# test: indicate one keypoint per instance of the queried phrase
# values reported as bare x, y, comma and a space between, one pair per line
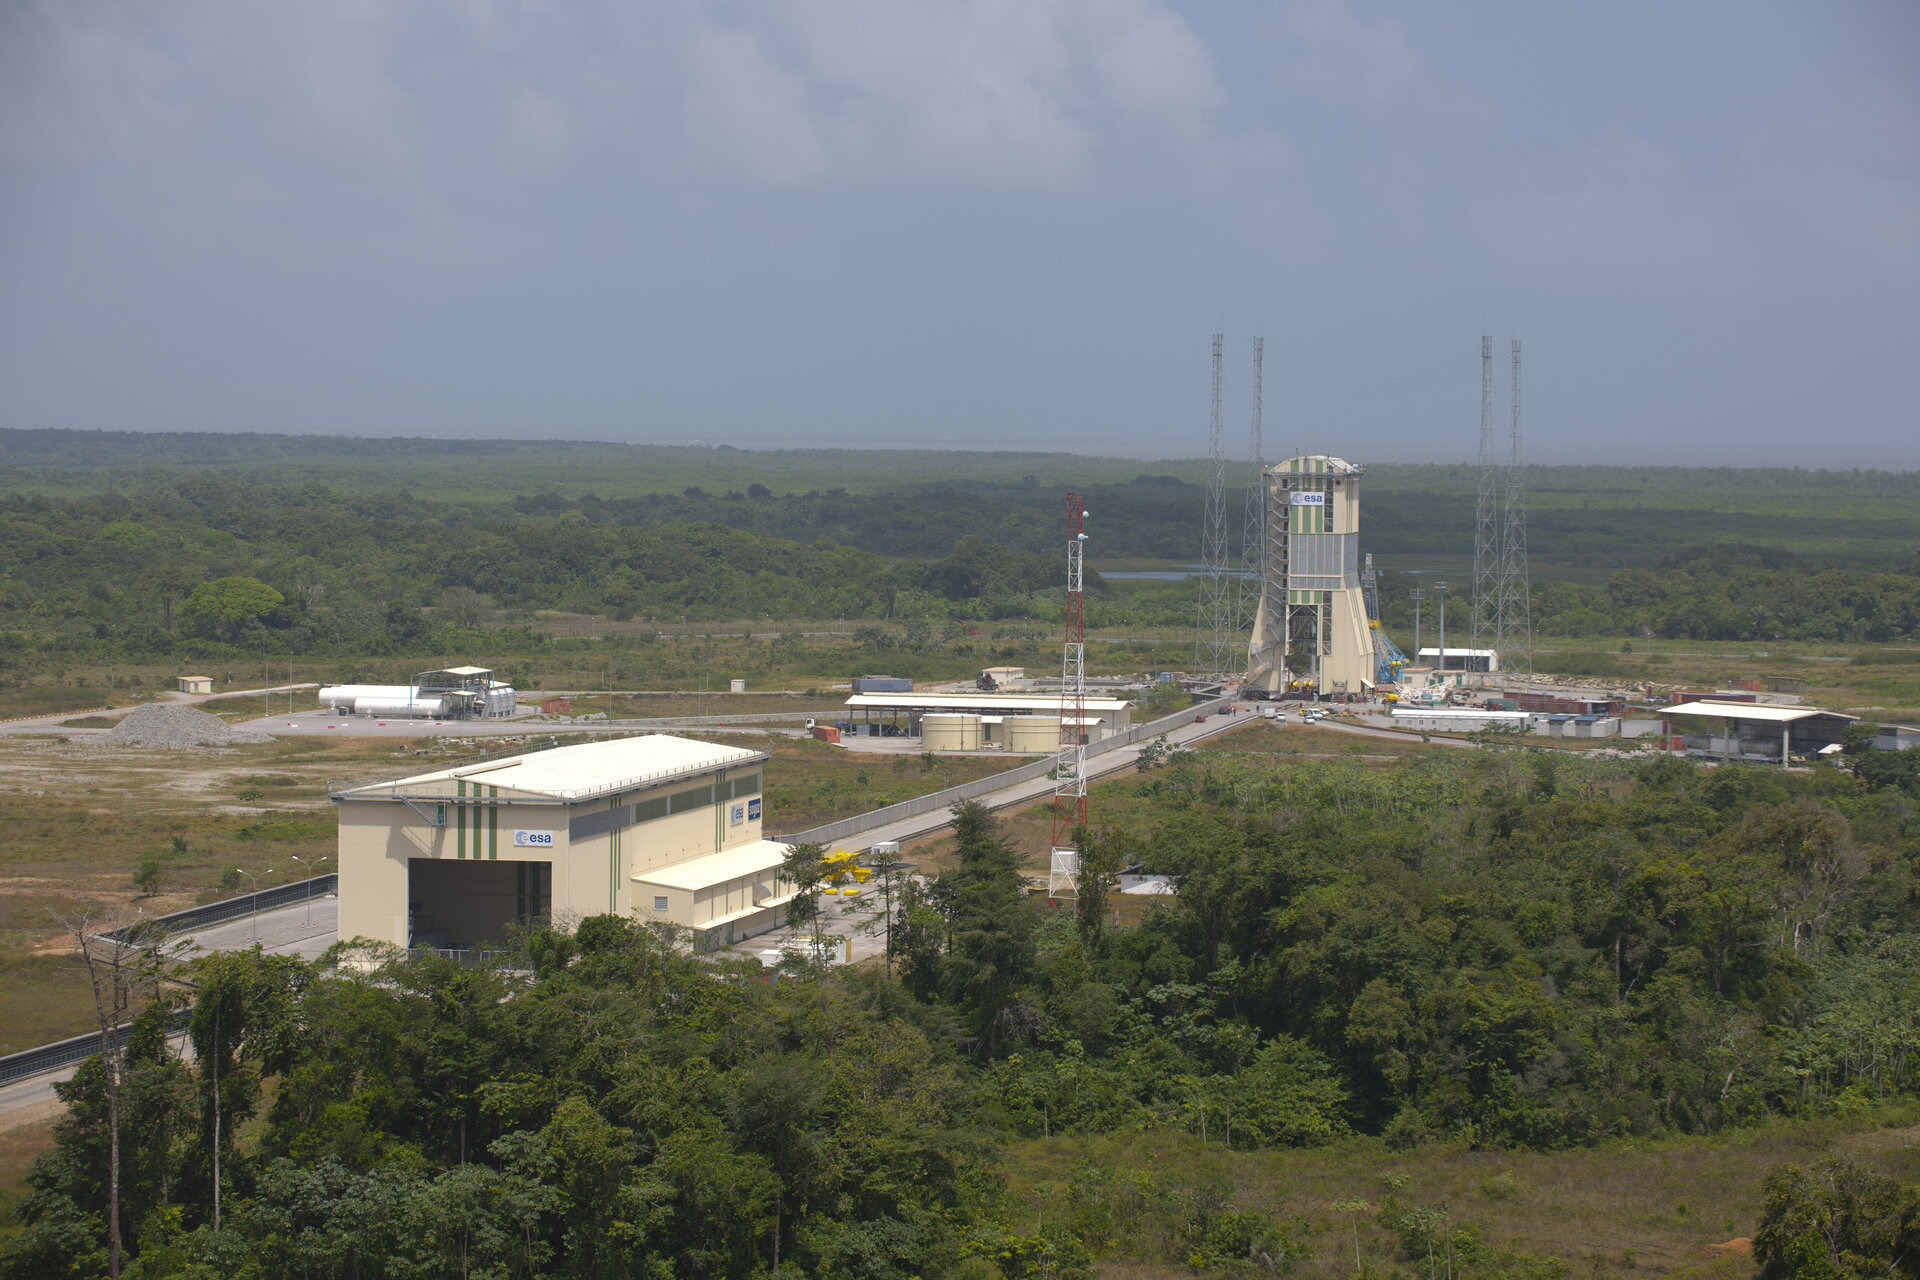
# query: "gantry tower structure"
1311, 634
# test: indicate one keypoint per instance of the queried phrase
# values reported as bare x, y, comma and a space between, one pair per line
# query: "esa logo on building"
540, 839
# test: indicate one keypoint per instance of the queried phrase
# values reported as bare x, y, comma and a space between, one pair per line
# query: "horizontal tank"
346, 695
427, 708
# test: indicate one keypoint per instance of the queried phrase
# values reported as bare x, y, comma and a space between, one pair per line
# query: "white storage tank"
422, 708
950, 732
1032, 735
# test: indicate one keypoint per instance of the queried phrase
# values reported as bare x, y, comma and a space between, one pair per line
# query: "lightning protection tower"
1488, 564
1070, 767
1312, 633
1211, 644
1515, 640
1253, 551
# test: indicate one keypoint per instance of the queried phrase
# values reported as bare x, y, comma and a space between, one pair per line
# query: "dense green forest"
160, 570
1496, 949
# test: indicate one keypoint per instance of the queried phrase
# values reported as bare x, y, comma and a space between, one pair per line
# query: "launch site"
946, 642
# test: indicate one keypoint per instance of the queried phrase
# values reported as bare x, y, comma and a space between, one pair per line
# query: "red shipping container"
826, 733
555, 706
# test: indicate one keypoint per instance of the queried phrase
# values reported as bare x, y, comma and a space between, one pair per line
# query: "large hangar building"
654, 827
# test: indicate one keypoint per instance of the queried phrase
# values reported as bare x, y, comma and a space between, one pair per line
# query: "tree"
222, 608
990, 923
888, 873
147, 878
1836, 1221
801, 869
1102, 854
120, 962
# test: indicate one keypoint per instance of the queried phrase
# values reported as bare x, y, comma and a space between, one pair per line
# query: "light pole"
1440, 589
311, 870
253, 913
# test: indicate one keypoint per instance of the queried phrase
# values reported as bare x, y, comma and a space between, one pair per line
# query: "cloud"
1005, 94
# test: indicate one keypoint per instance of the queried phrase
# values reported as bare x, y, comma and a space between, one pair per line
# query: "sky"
996, 224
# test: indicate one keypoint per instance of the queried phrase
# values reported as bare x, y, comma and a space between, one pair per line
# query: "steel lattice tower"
1253, 554
1215, 623
1070, 768
1488, 564
1515, 641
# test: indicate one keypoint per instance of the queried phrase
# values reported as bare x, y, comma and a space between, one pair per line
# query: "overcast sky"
991, 223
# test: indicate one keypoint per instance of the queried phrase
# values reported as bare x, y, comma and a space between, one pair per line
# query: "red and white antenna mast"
1070, 769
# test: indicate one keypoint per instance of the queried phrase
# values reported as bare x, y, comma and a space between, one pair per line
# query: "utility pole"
1416, 595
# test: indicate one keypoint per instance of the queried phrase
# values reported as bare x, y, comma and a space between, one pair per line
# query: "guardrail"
246, 904
946, 799
64, 1053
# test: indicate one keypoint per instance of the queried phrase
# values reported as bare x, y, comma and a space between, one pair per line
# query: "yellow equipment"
841, 872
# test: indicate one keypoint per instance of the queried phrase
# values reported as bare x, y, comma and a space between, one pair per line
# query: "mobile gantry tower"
1310, 634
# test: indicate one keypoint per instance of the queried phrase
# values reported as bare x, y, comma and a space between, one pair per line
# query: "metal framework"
1515, 639
1211, 645
1070, 768
1488, 564
1388, 660
1254, 549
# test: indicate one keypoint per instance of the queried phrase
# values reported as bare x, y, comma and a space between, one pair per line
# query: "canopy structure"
1757, 731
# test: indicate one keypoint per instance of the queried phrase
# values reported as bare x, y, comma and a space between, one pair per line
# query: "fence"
946, 799
64, 1053
246, 904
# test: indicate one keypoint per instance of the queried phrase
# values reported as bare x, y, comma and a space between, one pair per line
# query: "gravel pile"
160, 724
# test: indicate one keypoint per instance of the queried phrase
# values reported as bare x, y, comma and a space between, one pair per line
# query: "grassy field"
1650, 1208
83, 817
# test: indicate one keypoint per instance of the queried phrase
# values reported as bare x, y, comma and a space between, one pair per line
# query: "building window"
659, 904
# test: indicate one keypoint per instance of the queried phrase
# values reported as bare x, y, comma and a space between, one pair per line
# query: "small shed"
194, 684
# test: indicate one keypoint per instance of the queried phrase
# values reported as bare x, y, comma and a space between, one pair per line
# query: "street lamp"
312, 873
253, 913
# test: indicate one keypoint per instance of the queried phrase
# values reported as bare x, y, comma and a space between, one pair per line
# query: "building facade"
654, 828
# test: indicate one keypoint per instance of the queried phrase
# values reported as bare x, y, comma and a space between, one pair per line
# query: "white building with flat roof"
902, 713
654, 827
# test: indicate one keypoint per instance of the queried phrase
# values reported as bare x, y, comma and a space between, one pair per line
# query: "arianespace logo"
541, 839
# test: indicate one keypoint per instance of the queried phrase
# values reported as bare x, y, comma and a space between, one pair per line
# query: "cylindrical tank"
950, 732
1034, 735
347, 696
428, 708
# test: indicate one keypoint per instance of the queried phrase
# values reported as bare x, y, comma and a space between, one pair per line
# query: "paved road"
40, 724
1098, 767
303, 929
